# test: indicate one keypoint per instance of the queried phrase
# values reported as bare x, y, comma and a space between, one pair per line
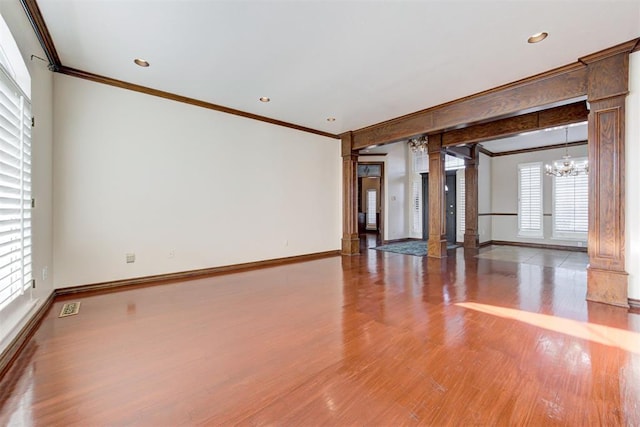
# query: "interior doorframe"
381, 195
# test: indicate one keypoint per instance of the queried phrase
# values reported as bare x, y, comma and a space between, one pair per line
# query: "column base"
437, 247
608, 287
471, 241
350, 246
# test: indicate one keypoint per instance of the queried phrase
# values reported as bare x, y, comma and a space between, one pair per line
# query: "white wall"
633, 177
41, 97
504, 197
484, 198
144, 175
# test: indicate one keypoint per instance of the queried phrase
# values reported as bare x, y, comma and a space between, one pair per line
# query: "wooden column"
471, 236
437, 244
608, 74
350, 240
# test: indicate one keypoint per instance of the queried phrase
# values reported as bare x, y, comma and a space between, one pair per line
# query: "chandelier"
566, 167
419, 145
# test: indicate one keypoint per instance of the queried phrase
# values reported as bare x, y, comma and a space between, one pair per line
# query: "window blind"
372, 209
15, 191
453, 163
416, 207
530, 199
420, 161
461, 208
571, 205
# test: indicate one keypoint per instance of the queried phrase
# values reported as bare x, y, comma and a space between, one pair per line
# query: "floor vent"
69, 309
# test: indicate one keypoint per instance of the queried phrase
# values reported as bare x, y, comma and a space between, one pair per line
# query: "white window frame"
15, 186
530, 232
564, 234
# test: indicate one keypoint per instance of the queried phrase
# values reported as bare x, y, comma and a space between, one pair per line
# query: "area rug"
412, 247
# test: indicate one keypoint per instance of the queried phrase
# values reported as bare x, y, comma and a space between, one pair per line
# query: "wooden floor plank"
376, 339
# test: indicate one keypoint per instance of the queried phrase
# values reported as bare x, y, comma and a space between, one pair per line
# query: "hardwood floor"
376, 339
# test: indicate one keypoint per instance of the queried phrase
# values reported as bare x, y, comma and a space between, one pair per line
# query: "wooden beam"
533, 93
534, 149
558, 116
460, 152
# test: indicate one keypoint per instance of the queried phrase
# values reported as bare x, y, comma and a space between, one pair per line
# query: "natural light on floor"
625, 340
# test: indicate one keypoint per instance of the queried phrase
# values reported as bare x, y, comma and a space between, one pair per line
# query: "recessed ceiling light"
331, 119
141, 62
265, 99
538, 37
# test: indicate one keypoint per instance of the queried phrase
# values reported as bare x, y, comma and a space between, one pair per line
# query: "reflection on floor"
373, 339
543, 257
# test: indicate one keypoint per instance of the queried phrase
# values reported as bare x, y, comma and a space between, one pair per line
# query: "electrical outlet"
45, 273
172, 253
286, 243
131, 258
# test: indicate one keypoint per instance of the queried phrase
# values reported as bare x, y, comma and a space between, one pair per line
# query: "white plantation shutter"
461, 196
571, 205
416, 207
15, 191
453, 163
420, 161
372, 209
530, 199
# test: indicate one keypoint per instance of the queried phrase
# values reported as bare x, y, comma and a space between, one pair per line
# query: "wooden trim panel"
634, 303
192, 274
18, 343
186, 100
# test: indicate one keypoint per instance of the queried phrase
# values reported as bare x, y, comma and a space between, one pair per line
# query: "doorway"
371, 201
451, 204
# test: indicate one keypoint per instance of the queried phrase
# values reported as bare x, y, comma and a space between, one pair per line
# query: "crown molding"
184, 99
42, 33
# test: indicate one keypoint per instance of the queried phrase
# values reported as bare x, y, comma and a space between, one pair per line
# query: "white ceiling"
361, 62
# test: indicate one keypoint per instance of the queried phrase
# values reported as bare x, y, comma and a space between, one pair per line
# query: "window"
420, 161
416, 207
453, 163
15, 177
372, 209
571, 205
460, 204
530, 200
